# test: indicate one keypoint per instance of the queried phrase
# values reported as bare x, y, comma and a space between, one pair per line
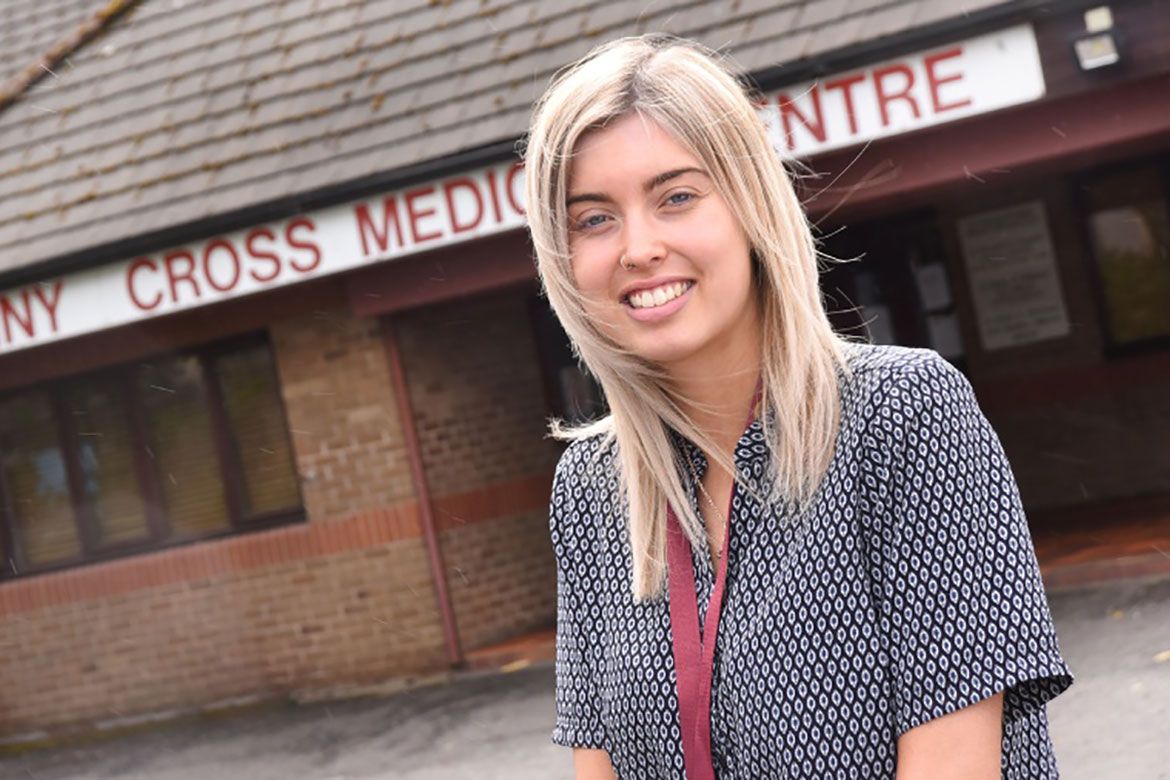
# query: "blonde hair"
693, 96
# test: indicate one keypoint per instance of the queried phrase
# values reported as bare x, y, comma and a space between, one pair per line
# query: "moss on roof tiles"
69, 42
397, 67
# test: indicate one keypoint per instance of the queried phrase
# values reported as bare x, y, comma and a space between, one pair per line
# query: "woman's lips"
655, 313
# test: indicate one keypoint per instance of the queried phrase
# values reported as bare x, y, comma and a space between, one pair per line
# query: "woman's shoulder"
584, 494
894, 361
588, 458
888, 373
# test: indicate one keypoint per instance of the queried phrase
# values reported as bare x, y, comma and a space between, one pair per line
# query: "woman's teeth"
646, 299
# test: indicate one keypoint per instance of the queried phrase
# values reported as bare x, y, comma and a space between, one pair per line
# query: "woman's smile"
651, 304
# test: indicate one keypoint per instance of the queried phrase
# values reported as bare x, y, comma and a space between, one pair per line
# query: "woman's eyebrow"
662, 178
647, 186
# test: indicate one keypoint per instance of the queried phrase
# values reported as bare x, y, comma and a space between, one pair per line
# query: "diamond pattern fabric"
908, 590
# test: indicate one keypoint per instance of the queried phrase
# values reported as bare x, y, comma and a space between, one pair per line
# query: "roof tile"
889, 20
821, 12
192, 108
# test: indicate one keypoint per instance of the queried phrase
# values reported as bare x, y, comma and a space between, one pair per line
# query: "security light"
1100, 45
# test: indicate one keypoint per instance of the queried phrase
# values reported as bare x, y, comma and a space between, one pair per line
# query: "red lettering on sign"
846, 85
369, 232
175, 275
208, 249
23, 319
50, 305
415, 214
510, 187
308, 245
20, 314
788, 111
885, 96
449, 188
491, 180
260, 253
141, 264
931, 61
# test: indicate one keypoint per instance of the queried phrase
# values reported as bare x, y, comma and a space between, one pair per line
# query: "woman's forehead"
631, 149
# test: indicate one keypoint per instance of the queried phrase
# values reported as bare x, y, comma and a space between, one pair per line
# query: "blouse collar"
750, 450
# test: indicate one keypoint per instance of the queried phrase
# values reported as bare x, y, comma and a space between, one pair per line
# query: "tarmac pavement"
1113, 724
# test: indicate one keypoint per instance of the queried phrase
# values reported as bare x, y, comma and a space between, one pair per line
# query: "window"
1128, 220
181, 442
137, 457
895, 289
248, 383
35, 483
573, 395
104, 444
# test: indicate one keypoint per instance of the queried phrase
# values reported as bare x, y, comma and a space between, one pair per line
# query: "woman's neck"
717, 389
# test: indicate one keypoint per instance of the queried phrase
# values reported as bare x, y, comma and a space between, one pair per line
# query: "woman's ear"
757, 266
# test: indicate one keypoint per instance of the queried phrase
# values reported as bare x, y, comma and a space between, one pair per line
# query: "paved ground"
1113, 724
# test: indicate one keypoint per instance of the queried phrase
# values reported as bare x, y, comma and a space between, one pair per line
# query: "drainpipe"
422, 491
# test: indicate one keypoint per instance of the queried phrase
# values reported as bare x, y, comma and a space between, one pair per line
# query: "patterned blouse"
909, 590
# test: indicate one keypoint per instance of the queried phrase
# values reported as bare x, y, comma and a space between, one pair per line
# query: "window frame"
1159, 163
160, 534
553, 353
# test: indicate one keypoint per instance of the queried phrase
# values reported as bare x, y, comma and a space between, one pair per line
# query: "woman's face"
661, 261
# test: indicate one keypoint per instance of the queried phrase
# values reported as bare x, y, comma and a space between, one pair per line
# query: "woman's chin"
665, 355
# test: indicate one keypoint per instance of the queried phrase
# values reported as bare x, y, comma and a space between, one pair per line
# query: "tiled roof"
28, 29
184, 110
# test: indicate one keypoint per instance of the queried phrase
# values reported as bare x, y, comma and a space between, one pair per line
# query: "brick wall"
258, 614
1087, 435
341, 412
476, 391
346, 597
479, 405
502, 578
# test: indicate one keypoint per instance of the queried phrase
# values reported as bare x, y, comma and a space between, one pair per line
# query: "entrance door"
894, 288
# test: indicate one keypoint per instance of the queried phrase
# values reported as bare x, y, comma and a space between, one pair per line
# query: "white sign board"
961, 79
341, 238
980, 74
1014, 280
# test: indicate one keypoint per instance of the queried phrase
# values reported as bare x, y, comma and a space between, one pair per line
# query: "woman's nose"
643, 245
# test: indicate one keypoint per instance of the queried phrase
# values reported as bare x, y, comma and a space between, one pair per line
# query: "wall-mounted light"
1100, 45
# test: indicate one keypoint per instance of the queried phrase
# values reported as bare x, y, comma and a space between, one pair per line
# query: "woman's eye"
590, 221
679, 198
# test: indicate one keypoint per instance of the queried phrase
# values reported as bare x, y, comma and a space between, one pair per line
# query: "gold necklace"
716, 550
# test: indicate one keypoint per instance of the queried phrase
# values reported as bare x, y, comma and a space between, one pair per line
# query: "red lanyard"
694, 654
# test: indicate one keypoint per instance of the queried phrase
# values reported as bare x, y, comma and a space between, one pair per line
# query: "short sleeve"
963, 605
578, 721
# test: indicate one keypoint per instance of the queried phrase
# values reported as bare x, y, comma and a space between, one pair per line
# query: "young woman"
782, 554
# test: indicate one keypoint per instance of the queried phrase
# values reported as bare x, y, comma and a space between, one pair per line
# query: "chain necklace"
716, 550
